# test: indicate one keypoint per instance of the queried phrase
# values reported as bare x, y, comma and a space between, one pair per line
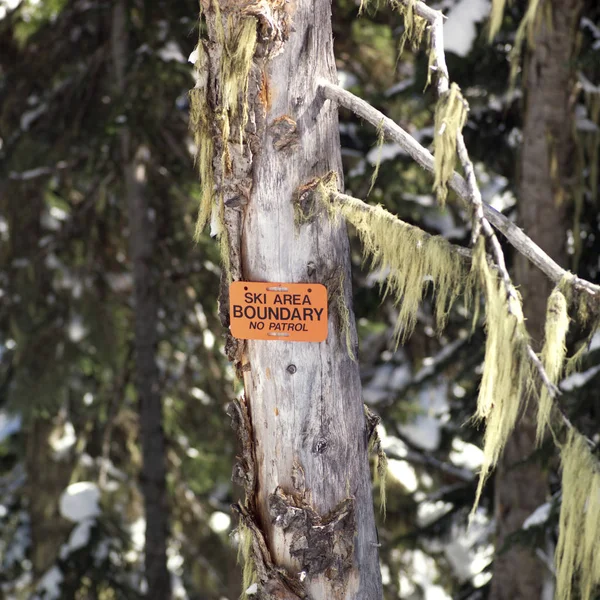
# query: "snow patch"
8, 425
61, 444
6, 5
80, 501
577, 380
466, 455
138, 533
27, 118
425, 430
385, 152
49, 585
30, 173
459, 28
404, 473
253, 589
79, 538
539, 516
171, 51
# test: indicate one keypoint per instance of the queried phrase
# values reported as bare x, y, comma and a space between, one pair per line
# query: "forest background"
73, 492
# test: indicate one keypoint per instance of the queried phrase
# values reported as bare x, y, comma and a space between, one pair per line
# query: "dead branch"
515, 236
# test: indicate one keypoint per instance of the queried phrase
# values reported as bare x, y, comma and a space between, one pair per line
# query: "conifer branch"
467, 189
515, 236
480, 222
362, 206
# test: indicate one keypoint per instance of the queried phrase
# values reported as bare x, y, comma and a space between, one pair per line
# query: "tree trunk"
304, 465
38, 394
544, 192
142, 237
47, 477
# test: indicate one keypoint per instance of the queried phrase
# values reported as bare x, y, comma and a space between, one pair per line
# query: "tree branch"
515, 236
468, 190
364, 207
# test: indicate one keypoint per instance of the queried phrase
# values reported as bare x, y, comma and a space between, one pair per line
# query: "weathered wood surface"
304, 399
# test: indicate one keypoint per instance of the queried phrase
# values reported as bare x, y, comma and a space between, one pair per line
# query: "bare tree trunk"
543, 197
304, 465
47, 477
142, 237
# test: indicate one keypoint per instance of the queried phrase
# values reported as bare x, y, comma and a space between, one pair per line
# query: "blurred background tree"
72, 517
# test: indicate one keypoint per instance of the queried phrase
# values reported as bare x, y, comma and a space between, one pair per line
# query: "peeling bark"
546, 176
304, 461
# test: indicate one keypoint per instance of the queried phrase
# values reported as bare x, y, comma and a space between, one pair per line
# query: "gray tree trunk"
142, 238
543, 204
304, 459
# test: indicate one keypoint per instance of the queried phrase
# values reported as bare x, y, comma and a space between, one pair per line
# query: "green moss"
450, 117
506, 371
577, 556
553, 354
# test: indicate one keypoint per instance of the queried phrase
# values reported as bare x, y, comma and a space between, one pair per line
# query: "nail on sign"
292, 312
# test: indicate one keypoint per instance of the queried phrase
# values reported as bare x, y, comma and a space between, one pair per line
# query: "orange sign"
292, 312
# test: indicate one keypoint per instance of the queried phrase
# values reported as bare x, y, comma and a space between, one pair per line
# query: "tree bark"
546, 175
142, 238
47, 477
37, 394
304, 464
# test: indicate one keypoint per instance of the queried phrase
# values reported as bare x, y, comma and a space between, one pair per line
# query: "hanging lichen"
338, 297
381, 461
577, 556
380, 140
553, 354
450, 117
588, 317
414, 25
526, 33
212, 124
496, 16
409, 259
201, 126
245, 558
506, 370
235, 69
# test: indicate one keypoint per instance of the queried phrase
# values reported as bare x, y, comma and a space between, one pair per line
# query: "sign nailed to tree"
293, 312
